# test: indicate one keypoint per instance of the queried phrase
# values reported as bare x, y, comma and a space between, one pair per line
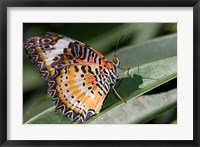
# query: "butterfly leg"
122, 74
126, 69
128, 72
113, 87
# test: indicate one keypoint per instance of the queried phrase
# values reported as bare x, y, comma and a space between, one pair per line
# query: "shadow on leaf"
124, 87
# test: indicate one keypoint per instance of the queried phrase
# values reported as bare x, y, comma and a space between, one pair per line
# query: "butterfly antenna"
118, 45
122, 36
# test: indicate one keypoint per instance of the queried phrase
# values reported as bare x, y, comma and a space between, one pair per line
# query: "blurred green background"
101, 36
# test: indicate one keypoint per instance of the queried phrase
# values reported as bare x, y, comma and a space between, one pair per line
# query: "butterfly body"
79, 77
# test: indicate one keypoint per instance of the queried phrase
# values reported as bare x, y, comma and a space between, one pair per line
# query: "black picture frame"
4, 4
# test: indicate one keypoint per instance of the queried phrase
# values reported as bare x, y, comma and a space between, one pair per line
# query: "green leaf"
139, 110
104, 42
147, 32
128, 89
31, 78
159, 48
35, 105
49, 116
174, 122
131, 88
158, 66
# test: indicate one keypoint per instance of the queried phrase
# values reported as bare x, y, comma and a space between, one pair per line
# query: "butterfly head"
115, 61
114, 70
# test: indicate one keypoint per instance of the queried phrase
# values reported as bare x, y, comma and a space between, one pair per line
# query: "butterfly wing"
47, 53
54, 51
77, 74
78, 91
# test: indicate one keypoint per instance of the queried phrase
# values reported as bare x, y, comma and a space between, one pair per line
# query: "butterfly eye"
115, 61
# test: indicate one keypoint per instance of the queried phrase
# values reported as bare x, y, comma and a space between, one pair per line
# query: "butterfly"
79, 77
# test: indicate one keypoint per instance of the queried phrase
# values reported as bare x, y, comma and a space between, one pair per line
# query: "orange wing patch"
77, 92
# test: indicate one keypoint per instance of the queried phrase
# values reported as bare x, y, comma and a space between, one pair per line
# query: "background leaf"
140, 110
